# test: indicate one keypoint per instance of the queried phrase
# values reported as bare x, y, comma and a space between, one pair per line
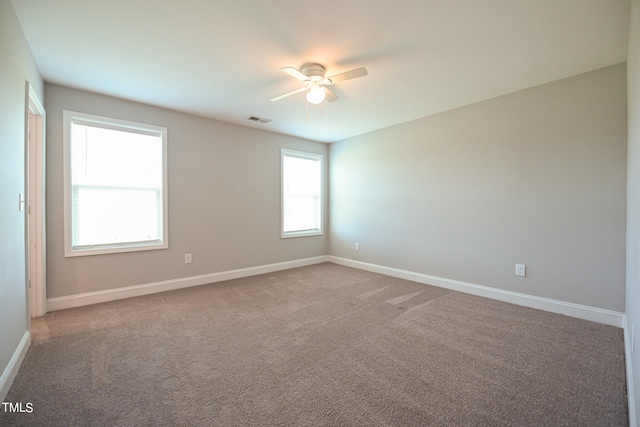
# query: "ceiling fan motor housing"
314, 71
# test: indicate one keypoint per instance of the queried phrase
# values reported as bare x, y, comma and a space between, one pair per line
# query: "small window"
301, 193
115, 185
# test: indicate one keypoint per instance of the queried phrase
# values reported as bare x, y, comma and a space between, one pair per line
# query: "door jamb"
36, 212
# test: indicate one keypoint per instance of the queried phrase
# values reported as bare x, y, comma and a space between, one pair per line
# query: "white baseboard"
630, 384
594, 314
9, 374
88, 298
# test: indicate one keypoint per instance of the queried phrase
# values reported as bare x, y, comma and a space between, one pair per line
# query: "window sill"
304, 233
114, 249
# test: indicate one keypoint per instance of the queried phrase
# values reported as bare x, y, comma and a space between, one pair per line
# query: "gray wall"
224, 199
16, 67
633, 200
535, 177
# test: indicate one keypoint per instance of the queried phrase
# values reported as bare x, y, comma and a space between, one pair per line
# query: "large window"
115, 185
301, 193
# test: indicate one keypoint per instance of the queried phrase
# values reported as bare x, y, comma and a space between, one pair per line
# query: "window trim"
116, 124
309, 156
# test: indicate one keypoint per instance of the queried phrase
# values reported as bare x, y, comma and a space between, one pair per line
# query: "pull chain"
321, 111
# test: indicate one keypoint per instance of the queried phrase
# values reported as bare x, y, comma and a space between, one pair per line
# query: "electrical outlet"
187, 258
357, 246
520, 270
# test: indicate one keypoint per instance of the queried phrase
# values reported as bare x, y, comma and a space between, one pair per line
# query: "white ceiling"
222, 58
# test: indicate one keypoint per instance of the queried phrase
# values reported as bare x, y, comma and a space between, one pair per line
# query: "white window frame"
310, 156
122, 125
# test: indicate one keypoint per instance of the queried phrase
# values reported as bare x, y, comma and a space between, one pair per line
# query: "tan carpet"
320, 345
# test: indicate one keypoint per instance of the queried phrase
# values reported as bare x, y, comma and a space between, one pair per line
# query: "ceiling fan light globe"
316, 95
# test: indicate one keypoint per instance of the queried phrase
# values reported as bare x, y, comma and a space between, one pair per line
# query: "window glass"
301, 194
115, 192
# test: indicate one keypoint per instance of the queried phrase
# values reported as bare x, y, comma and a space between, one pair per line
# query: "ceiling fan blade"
295, 73
293, 92
358, 72
329, 95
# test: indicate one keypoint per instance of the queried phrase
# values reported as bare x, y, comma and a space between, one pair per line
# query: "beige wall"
16, 67
536, 177
633, 202
224, 199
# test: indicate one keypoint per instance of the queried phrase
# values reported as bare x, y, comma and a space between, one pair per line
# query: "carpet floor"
324, 345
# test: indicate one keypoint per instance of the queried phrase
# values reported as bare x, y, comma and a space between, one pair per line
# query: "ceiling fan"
312, 75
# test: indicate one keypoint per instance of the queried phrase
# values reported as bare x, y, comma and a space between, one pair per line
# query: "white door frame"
36, 222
